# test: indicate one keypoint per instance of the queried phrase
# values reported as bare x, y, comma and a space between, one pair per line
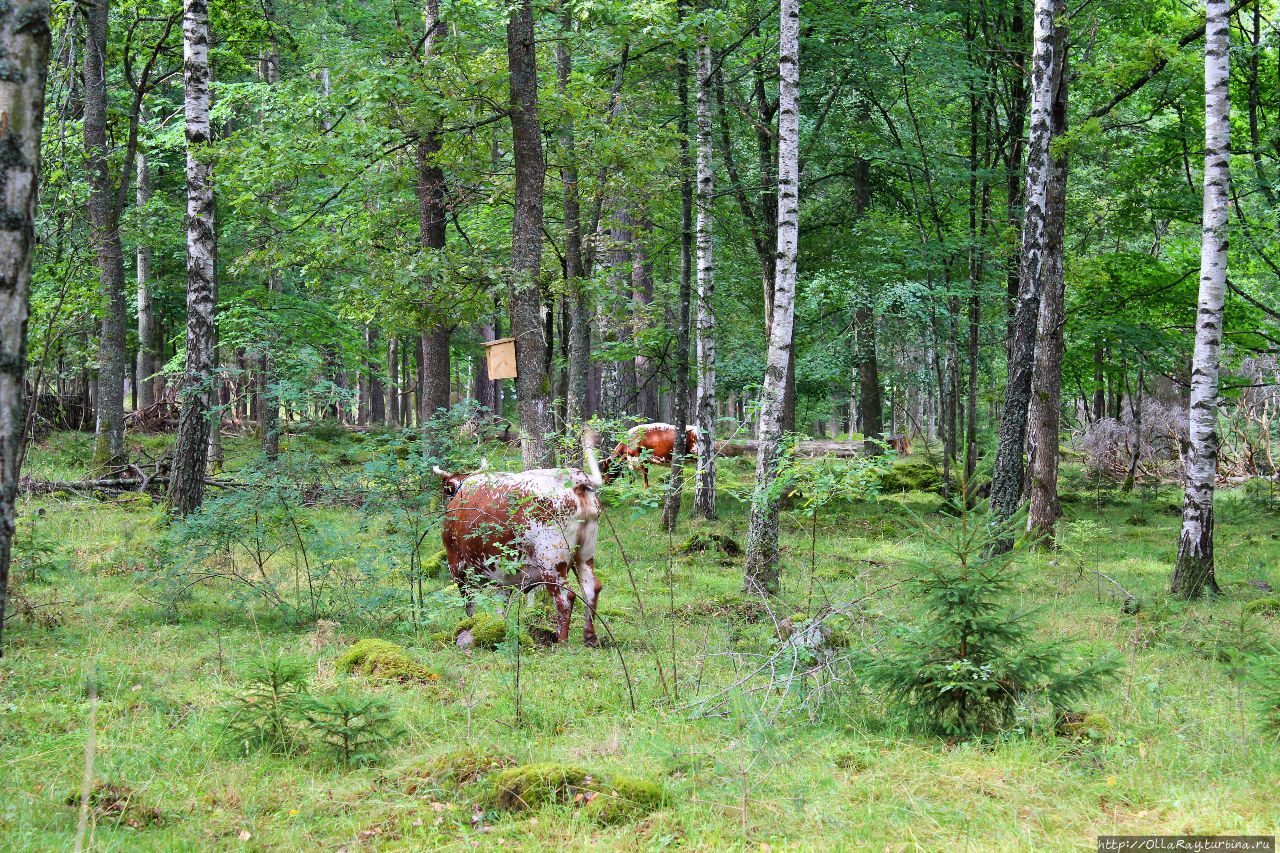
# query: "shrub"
268, 712
357, 729
1266, 688
382, 659
969, 662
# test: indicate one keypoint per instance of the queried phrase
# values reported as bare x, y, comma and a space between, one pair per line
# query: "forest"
585, 424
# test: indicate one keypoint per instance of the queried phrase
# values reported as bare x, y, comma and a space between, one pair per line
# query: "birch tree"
704, 494
1046, 70
762, 532
24, 43
190, 453
1046, 380
533, 384
1194, 570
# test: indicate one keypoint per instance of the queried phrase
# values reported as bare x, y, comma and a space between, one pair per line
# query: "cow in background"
524, 530
647, 444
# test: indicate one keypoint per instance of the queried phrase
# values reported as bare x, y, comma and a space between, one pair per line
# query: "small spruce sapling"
972, 658
270, 710
358, 730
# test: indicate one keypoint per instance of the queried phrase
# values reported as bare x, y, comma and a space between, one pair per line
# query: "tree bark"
762, 575
432, 212
704, 494
146, 363
646, 368
373, 382
1046, 383
675, 488
1007, 479
618, 384
393, 382
269, 425
1195, 570
579, 326
104, 215
533, 384
24, 43
186, 486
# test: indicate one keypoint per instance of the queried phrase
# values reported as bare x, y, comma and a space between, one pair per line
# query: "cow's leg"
464, 589
554, 579
591, 586
644, 471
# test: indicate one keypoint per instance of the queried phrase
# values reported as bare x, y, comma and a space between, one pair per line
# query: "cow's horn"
484, 464
440, 472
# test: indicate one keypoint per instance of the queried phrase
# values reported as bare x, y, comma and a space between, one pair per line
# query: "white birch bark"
762, 532
1194, 571
24, 43
704, 493
186, 487
1046, 67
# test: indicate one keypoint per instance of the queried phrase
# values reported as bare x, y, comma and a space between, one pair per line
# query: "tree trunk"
646, 369
579, 325
435, 374
108, 447
1099, 384
1007, 479
1046, 384
704, 494
146, 364
186, 486
24, 43
675, 489
373, 382
533, 384
762, 575
269, 417
618, 385
1195, 569
393, 383
870, 404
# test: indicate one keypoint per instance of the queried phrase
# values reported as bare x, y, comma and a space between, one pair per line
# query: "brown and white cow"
524, 530
648, 444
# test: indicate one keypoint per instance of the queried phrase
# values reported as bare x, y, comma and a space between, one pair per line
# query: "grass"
1181, 752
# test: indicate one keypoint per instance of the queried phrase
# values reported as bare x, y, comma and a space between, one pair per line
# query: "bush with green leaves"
972, 658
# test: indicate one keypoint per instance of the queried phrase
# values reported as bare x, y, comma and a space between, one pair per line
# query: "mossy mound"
1268, 606
624, 798
488, 630
1084, 726
384, 660
453, 769
531, 785
912, 475
608, 799
701, 541
436, 566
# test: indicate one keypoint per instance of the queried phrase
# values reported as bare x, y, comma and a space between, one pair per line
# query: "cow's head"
452, 482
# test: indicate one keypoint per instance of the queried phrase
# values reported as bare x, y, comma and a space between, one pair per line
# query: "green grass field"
1175, 745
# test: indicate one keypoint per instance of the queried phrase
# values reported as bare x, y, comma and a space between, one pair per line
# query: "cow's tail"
594, 477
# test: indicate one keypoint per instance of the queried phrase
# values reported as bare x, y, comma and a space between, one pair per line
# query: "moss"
624, 798
383, 659
700, 542
436, 566
532, 785
1269, 606
912, 475
605, 798
461, 767
1085, 726
488, 630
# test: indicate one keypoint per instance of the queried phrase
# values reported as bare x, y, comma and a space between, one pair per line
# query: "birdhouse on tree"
500, 358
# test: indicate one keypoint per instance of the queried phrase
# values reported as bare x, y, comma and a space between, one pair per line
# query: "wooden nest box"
500, 358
